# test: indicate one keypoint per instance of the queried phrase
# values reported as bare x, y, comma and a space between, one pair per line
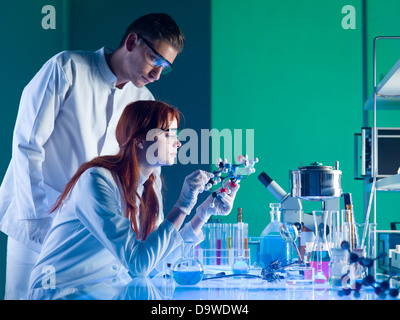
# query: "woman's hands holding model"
192, 186
222, 205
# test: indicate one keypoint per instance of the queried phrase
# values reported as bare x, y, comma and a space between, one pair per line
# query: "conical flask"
320, 253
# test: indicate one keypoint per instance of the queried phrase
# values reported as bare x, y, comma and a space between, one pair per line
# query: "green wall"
286, 69
25, 46
290, 71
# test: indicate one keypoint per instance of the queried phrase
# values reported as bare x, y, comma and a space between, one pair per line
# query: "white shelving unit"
386, 96
387, 92
391, 183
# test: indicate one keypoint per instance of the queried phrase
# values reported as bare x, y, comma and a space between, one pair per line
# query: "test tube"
206, 244
224, 244
213, 245
218, 241
214, 248
246, 241
229, 244
238, 243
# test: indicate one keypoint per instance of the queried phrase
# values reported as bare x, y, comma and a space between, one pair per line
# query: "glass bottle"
272, 246
187, 270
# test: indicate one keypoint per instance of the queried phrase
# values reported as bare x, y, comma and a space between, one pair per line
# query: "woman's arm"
197, 224
176, 216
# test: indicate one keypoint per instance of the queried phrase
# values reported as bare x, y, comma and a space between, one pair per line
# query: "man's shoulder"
78, 57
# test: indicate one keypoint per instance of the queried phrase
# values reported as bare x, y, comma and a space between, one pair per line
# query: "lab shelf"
383, 103
391, 183
386, 96
387, 92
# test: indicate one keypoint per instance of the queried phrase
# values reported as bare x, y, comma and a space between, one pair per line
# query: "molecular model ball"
233, 172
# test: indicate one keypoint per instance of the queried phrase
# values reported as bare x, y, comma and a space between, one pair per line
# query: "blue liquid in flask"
188, 277
272, 246
187, 270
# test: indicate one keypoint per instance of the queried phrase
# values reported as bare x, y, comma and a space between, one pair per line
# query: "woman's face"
161, 146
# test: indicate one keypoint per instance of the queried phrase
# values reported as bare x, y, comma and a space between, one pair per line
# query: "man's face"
142, 64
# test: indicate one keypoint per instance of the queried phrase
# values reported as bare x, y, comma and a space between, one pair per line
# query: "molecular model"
235, 172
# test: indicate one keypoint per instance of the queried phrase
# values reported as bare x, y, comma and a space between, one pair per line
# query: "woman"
109, 221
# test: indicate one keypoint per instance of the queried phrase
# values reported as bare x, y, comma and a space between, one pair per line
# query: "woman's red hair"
137, 119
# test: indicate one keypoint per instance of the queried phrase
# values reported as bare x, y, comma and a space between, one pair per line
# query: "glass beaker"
187, 270
320, 254
338, 267
300, 276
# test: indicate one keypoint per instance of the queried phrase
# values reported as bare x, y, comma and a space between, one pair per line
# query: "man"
67, 115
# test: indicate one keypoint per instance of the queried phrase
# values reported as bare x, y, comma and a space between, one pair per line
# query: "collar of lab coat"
142, 179
104, 69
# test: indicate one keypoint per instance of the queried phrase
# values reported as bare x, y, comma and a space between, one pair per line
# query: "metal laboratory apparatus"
317, 183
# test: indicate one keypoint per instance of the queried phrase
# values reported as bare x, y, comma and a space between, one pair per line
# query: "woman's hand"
192, 186
222, 205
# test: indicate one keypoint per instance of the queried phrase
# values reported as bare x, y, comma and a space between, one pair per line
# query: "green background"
286, 69
290, 71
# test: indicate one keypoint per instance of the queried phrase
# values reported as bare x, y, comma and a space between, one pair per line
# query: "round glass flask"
187, 270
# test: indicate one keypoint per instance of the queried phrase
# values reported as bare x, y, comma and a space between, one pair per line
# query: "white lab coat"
91, 241
67, 115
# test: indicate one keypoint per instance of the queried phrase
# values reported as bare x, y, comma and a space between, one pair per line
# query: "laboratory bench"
229, 287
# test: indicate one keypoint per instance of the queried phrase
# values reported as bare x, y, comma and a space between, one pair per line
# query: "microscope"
315, 182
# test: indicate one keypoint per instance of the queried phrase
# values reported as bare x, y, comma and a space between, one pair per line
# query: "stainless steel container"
316, 182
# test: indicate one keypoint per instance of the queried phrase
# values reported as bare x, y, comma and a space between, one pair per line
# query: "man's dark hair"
157, 26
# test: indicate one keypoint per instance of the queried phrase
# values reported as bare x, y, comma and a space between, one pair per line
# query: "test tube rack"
222, 244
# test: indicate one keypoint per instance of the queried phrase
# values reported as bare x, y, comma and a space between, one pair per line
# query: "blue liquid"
240, 267
187, 277
273, 247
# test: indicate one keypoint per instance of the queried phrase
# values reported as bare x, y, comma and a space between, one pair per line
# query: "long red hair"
136, 120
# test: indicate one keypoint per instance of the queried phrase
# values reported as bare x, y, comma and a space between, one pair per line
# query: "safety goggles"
158, 60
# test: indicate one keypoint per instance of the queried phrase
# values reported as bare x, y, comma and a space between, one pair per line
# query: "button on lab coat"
67, 115
91, 241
